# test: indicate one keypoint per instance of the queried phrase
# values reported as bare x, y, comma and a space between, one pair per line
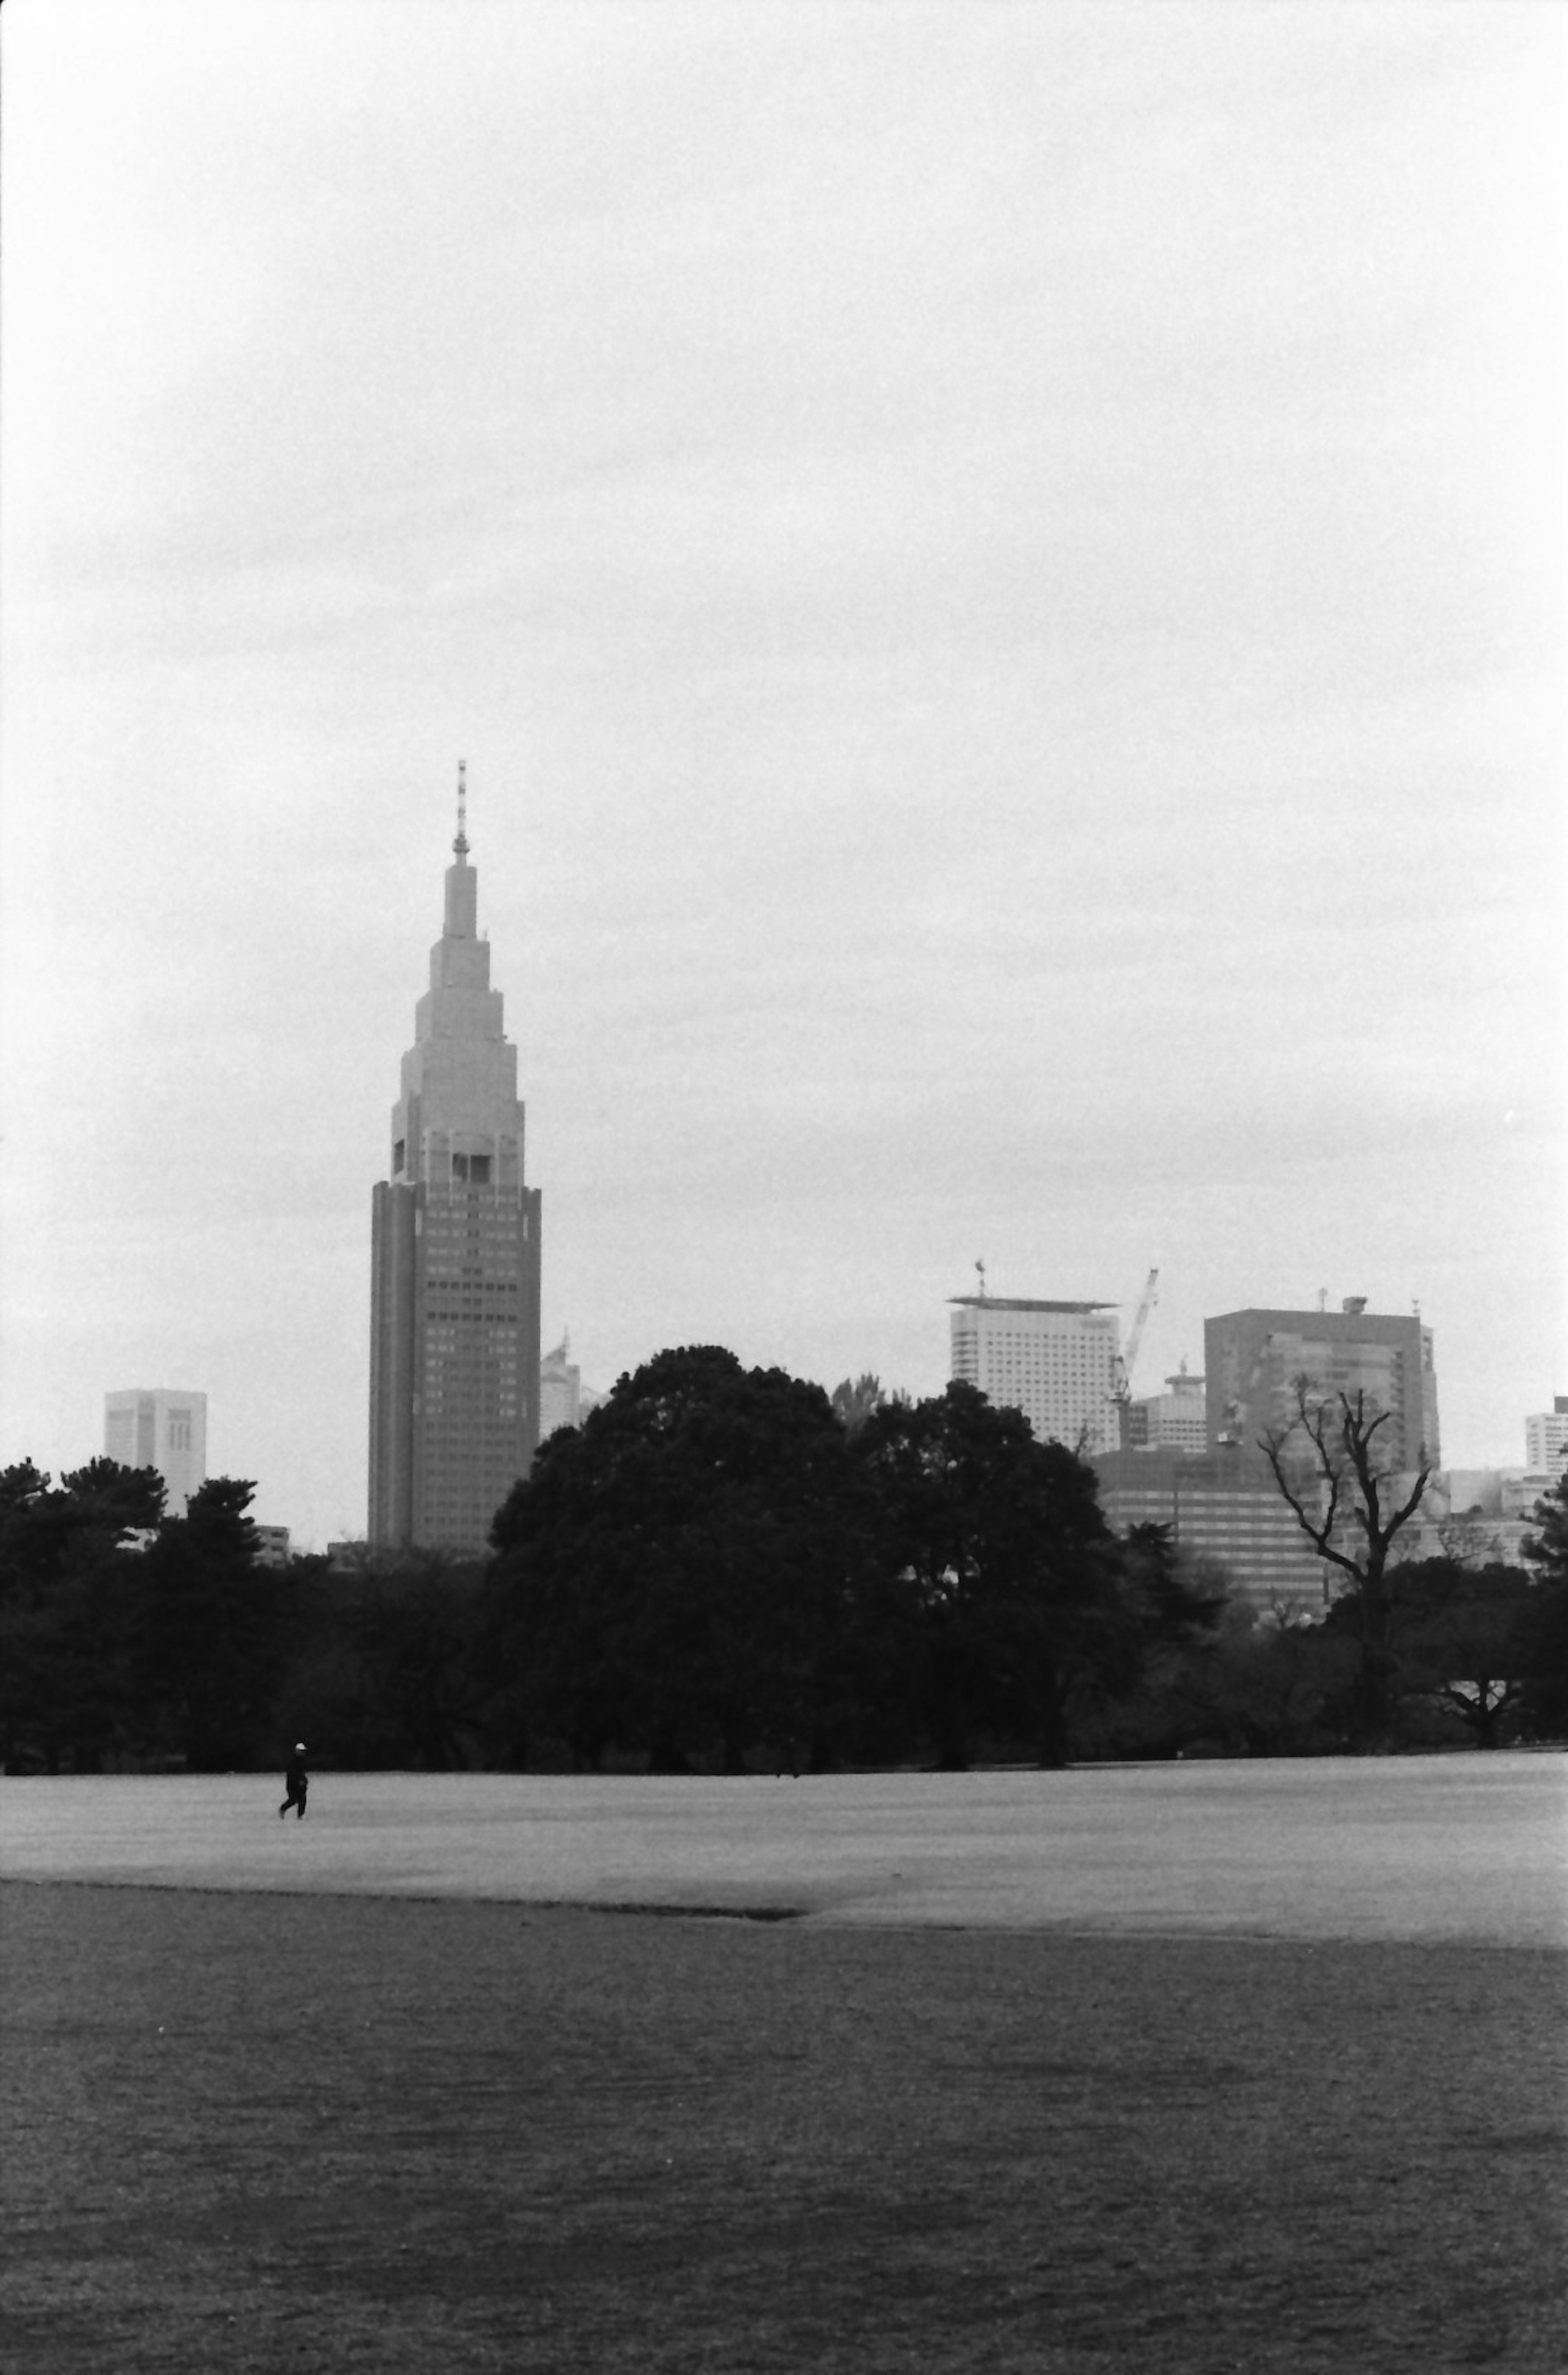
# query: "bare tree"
1330, 1468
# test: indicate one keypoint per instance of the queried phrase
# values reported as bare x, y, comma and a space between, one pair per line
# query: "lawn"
303, 2133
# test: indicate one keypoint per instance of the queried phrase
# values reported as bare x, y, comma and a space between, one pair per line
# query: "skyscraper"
1055, 1362
454, 1254
1253, 1358
162, 1427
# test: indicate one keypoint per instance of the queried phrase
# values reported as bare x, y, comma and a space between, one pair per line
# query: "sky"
996, 571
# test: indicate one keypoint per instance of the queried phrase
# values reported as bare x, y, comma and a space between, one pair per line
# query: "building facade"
1253, 1358
1177, 1420
1225, 1507
1058, 1363
455, 1259
164, 1428
1546, 1435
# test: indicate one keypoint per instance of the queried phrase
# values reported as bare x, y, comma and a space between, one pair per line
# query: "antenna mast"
461, 844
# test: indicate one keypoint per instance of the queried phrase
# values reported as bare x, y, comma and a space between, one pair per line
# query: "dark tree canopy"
1010, 1566
677, 1575
1456, 1640
1544, 1620
727, 1565
211, 1641
68, 1582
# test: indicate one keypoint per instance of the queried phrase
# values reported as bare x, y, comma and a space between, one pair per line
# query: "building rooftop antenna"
461, 844
980, 1267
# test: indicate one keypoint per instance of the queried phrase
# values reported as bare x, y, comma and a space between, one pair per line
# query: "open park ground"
1189, 2068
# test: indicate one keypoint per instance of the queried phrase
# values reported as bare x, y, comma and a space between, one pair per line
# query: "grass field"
1455, 1846
257, 2129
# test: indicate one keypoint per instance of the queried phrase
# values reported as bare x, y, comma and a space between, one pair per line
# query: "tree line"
727, 1569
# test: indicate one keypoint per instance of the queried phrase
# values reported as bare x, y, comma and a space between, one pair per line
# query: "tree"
212, 1638
1330, 1468
676, 1575
1009, 1566
1455, 1634
67, 1585
1543, 1622
1278, 1686
412, 1627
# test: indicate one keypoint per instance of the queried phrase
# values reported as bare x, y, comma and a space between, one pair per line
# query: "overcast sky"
995, 571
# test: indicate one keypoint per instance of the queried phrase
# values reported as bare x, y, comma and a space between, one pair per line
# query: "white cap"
299, 1748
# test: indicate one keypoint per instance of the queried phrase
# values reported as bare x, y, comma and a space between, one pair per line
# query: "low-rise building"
1177, 1420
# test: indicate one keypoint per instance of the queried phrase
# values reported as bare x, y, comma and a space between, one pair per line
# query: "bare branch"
1319, 1531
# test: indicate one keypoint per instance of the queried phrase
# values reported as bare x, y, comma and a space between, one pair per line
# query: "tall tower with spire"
455, 1256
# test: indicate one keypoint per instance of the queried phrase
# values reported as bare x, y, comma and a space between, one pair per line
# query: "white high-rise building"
1058, 1363
1546, 1435
160, 1427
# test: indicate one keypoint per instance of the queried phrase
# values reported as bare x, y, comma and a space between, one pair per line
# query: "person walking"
297, 1781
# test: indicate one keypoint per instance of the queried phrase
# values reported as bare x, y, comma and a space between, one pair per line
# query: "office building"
1546, 1435
1058, 1363
160, 1427
1252, 1360
454, 1309
1177, 1420
1223, 1507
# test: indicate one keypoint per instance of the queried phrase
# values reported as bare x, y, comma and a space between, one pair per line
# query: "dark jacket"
296, 1781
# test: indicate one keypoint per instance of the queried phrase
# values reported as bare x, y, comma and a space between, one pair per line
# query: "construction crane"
1121, 1392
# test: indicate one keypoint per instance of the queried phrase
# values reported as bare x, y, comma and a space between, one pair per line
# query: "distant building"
1475, 1516
1223, 1507
560, 1390
1177, 1420
1546, 1435
1058, 1363
564, 1400
164, 1428
454, 1258
1253, 1358
272, 1545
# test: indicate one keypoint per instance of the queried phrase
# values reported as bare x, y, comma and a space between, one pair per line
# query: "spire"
460, 845
462, 882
